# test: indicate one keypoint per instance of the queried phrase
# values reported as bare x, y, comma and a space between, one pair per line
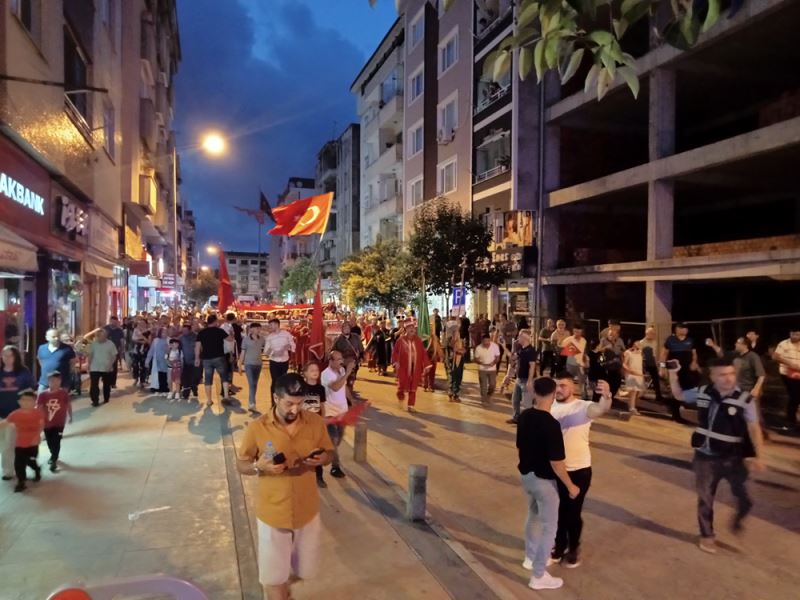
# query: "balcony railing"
492, 98
498, 170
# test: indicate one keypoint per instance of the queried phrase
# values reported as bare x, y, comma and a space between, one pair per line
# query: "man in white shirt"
487, 355
787, 355
277, 346
334, 380
574, 348
575, 417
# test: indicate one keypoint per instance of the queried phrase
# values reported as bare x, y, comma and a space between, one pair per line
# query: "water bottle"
269, 451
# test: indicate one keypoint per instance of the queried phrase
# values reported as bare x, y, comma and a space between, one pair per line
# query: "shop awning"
16, 253
98, 270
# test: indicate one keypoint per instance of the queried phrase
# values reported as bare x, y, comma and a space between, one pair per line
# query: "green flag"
424, 321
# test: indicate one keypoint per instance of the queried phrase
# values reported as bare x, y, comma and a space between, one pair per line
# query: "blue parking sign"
459, 297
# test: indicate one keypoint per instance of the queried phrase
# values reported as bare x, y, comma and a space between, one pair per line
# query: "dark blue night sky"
273, 75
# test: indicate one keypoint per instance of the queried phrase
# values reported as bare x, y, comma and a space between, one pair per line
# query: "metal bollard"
360, 443
417, 490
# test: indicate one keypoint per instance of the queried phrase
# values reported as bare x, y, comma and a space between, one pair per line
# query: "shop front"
104, 279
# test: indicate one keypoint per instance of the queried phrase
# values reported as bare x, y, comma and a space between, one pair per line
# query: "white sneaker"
194, 396
527, 564
545, 582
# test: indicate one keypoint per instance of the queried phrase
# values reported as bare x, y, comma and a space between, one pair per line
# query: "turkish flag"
315, 218
288, 215
225, 290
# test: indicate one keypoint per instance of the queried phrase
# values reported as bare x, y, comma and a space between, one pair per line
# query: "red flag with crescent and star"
303, 217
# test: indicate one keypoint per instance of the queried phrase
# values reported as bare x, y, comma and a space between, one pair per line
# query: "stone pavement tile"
211, 565
179, 528
35, 579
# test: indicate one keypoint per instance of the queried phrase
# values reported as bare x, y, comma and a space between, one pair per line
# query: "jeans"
652, 370
521, 398
336, 433
570, 522
793, 389
24, 458
456, 376
542, 522
276, 370
94, 387
218, 364
8, 439
53, 437
709, 471
487, 381
253, 372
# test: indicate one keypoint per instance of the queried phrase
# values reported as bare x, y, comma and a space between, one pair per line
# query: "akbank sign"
14, 190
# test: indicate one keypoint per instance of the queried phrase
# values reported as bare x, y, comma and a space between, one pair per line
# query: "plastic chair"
118, 589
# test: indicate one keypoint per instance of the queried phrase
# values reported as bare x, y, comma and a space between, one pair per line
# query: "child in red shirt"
29, 423
55, 405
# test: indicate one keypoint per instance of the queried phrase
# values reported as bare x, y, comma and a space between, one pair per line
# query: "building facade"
285, 251
325, 181
348, 193
67, 78
380, 100
249, 274
681, 205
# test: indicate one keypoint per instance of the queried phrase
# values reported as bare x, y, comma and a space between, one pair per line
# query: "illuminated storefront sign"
14, 190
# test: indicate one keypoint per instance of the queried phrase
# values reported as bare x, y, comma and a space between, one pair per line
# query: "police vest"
727, 433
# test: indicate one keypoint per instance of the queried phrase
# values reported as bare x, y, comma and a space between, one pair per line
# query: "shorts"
283, 552
635, 383
219, 364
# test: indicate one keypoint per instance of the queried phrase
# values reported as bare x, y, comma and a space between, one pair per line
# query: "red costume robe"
411, 358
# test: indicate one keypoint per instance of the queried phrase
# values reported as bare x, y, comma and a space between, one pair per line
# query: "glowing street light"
205, 268
213, 143
212, 250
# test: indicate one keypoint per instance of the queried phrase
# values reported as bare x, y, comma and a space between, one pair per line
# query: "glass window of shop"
17, 312
63, 299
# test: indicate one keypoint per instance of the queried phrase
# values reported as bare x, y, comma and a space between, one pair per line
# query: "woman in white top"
633, 365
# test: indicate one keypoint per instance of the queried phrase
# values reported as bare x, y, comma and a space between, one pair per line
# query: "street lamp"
213, 143
212, 249
205, 268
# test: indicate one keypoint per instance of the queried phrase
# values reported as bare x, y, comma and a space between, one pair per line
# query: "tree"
382, 275
575, 35
299, 279
447, 243
201, 288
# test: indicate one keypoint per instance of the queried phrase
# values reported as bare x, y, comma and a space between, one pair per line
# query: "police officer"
727, 433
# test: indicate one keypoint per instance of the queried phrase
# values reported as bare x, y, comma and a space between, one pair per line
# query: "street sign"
459, 297
168, 280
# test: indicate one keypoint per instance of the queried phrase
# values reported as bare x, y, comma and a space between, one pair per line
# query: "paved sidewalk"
140, 453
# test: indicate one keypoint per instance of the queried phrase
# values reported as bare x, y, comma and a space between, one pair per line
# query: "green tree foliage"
200, 289
573, 36
446, 242
299, 279
381, 275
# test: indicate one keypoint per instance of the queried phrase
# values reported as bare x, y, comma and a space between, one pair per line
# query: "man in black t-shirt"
541, 461
526, 367
210, 351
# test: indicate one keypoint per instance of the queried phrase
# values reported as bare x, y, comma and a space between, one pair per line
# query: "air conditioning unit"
445, 137
163, 79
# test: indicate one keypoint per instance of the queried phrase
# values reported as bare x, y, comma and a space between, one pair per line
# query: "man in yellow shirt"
283, 448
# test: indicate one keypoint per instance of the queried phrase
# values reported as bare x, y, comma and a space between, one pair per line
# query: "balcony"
390, 204
492, 20
148, 194
148, 130
388, 161
493, 155
390, 110
490, 94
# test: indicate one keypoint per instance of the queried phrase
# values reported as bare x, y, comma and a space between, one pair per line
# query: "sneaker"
513, 421
20, 487
38, 473
707, 544
321, 483
571, 560
634, 412
194, 397
337, 472
545, 582
527, 564
554, 559
53, 468
8, 477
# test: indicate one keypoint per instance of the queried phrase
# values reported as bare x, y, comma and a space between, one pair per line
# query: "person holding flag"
410, 360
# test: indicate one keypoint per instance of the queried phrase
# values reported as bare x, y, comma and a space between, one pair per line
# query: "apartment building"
152, 203
71, 72
249, 273
683, 204
380, 99
348, 193
326, 181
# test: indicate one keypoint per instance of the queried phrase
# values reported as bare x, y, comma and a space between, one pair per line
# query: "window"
75, 76
417, 84
108, 128
390, 87
446, 176
417, 30
24, 11
415, 135
107, 10
448, 52
415, 193
448, 118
